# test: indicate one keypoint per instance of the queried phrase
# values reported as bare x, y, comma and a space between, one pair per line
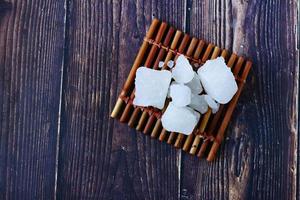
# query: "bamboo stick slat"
231, 106
180, 137
143, 122
148, 62
173, 136
118, 107
215, 120
190, 138
205, 118
174, 44
181, 49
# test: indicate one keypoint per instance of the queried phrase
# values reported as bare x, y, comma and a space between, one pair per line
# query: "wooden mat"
163, 43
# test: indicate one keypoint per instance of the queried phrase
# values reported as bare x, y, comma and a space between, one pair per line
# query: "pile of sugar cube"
190, 93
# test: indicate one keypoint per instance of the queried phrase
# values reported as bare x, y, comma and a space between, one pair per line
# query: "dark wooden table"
63, 63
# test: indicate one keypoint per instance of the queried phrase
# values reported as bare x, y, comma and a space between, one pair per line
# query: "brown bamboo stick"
181, 49
126, 114
206, 116
129, 107
199, 49
192, 46
209, 132
204, 121
151, 119
188, 142
216, 118
201, 129
163, 135
180, 137
190, 138
179, 140
228, 114
118, 107
195, 144
134, 116
208, 51
157, 129
150, 124
142, 122
128, 84
158, 124
148, 63
236, 70
171, 138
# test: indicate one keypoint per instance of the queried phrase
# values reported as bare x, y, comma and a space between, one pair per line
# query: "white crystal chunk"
180, 94
183, 71
218, 80
179, 119
212, 104
195, 84
151, 87
199, 103
170, 64
160, 64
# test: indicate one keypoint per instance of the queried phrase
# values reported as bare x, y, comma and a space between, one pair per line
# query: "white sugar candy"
183, 71
218, 80
195, 84
212, 104
215, 110
172, 83
180, 94
179, 119
151, 87
197, 115
160, 64
170, 64
198, 103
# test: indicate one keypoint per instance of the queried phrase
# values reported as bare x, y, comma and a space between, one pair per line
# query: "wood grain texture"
258, 159
31, 52
99, 157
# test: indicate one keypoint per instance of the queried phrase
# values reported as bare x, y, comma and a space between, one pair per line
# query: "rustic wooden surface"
258, 159
31, 52
63, 63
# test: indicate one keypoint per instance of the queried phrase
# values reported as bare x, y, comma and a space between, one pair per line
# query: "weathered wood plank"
99, 157
258, 160
31, 52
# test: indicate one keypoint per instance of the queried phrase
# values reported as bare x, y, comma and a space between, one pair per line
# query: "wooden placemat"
163, 43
